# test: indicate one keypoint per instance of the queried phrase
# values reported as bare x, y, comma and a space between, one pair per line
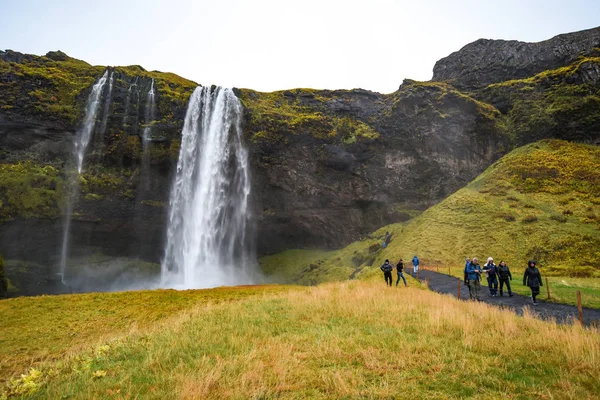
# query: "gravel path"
447, 284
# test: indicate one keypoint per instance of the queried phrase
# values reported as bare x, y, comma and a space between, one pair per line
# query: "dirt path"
447, 284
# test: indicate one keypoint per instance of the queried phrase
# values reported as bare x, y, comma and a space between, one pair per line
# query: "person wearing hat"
533, 279
492, 276
387, 272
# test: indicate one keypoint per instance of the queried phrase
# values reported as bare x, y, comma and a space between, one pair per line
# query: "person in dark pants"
492, 279
533, 279
400, 271
474, 275
505, 277
467, 262
387, 272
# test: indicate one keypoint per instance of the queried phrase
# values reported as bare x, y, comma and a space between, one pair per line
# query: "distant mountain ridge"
485, 61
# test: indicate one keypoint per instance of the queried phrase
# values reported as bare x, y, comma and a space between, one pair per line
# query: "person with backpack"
491, 274
400, 271
505, 277
466, 277
533, 279
415, 262
387, 272
474, 275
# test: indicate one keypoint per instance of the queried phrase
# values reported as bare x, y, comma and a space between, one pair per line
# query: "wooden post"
458, 295
449, 270
548, 288
579, 307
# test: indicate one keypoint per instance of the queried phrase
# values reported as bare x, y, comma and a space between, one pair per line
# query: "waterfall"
127, 104
149, 115
85, 133
81, 142
107, 105
208, 233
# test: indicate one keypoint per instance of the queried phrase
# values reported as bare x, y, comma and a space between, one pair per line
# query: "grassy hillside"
339, 340
541, 201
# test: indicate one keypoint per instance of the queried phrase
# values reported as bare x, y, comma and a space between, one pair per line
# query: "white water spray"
107, 101
208, 240
80, 145
149, 114
85, 133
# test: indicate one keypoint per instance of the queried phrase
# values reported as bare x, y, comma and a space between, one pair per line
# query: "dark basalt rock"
485, 61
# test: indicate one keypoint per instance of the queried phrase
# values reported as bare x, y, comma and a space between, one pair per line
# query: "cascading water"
127, 104
107, 101
80, 145
85, 133
208, 234
149, 115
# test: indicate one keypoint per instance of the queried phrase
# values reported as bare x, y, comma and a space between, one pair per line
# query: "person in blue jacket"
467, 262
474, 275
415, 265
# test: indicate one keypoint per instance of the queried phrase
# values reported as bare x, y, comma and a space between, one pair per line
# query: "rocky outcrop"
485, 61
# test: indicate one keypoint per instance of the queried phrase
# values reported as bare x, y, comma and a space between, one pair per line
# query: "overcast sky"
271, 45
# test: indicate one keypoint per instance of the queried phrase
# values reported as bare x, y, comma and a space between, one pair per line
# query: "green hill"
540, 201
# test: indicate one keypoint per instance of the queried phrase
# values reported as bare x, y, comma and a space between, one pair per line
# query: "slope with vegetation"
339, 340
541, 201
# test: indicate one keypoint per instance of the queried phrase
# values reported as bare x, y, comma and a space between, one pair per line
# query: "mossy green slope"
562, 103
540, 201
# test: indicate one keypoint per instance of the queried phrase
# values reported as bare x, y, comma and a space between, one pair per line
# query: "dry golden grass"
340, 340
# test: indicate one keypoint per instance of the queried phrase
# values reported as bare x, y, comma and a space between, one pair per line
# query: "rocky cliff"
328, 166
485, 61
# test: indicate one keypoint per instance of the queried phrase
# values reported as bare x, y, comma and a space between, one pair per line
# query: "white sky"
271, 45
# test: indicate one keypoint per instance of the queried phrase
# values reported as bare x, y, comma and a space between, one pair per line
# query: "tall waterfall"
85, 133
149, 114
80, 145
208, 234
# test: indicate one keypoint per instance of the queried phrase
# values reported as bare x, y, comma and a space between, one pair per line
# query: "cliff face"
327, 166
484, 61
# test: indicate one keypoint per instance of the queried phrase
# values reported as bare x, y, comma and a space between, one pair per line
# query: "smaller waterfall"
128, 104
107, 106
79, 147
85, 133
149, 115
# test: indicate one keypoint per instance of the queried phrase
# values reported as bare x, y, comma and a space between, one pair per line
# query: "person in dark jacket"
474, 275
387, 272
467, 262
491, 273
505, 277
533, 279
400, 271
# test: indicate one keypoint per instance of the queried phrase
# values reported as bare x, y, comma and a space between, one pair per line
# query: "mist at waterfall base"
209, 237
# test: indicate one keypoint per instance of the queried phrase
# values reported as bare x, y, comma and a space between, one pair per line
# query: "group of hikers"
495, 274
387, 269
499, 273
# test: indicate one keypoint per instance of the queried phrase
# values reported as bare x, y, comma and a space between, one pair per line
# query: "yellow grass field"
341, 340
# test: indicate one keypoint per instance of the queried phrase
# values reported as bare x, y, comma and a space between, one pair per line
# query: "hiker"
387, 272
415, 265
467, 262
474, 275
400, 271
504, 275
492, 279
533, 279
